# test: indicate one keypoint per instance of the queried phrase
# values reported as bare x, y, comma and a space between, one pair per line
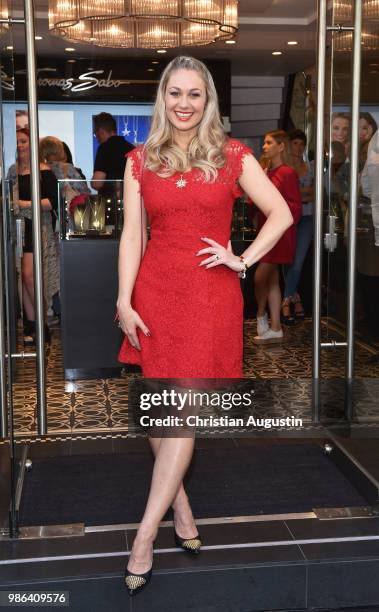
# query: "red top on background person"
286, 181
276, 153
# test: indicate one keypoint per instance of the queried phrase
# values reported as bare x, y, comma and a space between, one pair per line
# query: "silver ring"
216, 257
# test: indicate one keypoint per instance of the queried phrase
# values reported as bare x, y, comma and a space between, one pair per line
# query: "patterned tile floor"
90, 408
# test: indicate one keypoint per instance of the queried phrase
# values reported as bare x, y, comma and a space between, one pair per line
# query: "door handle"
19, 245
330, 238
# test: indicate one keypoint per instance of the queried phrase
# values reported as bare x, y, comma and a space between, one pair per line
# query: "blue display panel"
72, 123
134, 128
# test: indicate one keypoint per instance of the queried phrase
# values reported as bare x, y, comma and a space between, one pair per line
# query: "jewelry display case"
90, 227
85, 213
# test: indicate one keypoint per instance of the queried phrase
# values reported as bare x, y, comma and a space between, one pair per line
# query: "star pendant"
181, 182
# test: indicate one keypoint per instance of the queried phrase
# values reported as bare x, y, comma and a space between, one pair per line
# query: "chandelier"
151, 24
343, 12
3, 15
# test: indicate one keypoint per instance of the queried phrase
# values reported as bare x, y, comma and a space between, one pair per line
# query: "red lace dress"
195, 315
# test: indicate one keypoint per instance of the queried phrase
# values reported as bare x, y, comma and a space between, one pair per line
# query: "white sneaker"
262, 324
269, 337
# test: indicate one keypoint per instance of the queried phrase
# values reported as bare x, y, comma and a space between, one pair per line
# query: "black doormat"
109, 489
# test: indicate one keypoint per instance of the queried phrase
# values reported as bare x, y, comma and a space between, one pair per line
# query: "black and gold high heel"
136, 582
191, 545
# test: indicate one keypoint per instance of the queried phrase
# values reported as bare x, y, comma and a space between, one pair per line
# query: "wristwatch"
242, 274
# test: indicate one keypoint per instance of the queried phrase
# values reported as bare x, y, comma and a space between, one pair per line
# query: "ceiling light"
230, 42
150, 70
144, 23
292, 42
72, 61
38, 38
161, 51
276, 53
155, 62
9, 48
70, 49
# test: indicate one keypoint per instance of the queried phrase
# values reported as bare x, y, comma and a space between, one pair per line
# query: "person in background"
68, 159
340, 129
292, 273
22, 119
367, 128
110, 158
19, 175
267, 288
53, 154
368, 241
370, 182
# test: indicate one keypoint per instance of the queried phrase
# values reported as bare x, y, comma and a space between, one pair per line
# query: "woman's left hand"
219, 255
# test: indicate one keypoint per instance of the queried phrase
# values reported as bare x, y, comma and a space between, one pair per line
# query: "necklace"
181, 182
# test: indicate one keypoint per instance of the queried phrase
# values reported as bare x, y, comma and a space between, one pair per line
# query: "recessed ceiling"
265, 26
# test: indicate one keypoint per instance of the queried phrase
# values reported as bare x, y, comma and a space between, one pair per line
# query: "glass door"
9, 279
15, 354
336, 164
349, 332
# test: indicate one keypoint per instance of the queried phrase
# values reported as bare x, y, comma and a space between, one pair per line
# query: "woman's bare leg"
183, 520
274, 298
28, 285
171, 463
261, 287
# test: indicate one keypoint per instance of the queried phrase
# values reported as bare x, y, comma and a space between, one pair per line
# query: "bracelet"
242, 274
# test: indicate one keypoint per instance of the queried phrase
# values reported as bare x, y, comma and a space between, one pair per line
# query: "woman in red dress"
267, 288
179, 301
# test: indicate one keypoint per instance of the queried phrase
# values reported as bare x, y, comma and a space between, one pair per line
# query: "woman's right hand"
130, 321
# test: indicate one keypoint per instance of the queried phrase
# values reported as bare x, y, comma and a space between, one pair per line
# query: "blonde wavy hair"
206, 149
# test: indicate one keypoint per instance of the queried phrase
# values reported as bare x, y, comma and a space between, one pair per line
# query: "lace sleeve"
136, 158
236, 151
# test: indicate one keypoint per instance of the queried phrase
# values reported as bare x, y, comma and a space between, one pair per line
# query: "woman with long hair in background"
19, 174
277, 159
